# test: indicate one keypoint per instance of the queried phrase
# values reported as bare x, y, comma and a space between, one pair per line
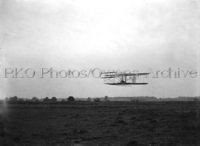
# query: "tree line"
48, 100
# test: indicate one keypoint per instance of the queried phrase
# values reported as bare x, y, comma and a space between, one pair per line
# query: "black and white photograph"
99, 73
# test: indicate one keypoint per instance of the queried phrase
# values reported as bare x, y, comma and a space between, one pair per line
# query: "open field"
101, 124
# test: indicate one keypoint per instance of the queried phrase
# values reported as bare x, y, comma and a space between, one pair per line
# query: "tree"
89, 99
34, 99
53, 99
97, 100
106, 98
71, 99
46, 99
13, 99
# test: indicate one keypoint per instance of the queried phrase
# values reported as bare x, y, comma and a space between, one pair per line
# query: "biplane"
123, 78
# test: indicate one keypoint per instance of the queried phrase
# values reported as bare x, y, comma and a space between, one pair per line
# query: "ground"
101, 124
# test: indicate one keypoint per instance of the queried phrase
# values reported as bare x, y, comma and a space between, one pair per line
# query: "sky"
144, 35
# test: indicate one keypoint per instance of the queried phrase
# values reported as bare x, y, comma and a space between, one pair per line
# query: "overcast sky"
146, 35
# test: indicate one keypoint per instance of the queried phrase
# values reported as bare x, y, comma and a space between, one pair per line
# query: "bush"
97, 100
53, 99
71, 99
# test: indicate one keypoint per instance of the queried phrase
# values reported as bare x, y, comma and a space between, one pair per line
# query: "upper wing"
132, 74
115, 74
111, 74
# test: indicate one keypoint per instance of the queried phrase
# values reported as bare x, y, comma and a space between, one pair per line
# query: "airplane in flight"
123, 78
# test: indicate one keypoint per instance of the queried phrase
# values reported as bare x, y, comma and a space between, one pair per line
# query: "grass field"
101, 124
